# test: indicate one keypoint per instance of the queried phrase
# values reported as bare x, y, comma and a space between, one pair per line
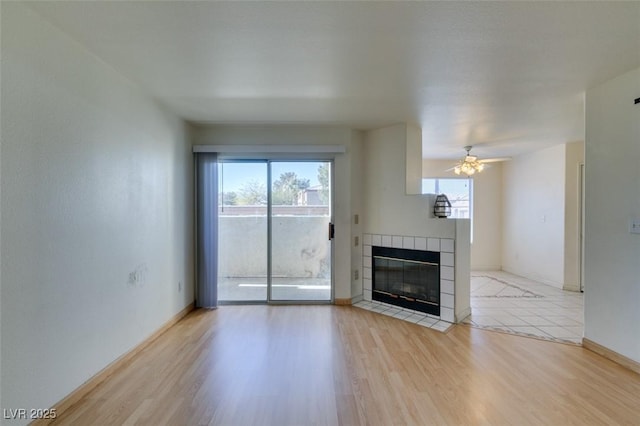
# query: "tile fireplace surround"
446, 248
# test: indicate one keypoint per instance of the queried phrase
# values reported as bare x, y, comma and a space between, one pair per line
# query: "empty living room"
319, 213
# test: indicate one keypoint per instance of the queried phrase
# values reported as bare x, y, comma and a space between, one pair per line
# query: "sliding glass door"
300, 218
274, 220
242, 232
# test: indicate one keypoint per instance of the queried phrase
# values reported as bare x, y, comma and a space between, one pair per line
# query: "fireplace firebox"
407, 278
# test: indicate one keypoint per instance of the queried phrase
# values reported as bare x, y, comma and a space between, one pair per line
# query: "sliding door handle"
332, 231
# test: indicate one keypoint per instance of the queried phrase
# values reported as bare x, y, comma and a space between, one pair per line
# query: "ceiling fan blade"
494, 160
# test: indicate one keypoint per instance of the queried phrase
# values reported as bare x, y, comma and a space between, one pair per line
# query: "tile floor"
405, 314
508, 303
504, 302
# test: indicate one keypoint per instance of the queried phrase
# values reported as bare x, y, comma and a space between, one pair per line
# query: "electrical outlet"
133, 278
179, 286
356, 219
356, 241
138, 276
634, 226
356, 274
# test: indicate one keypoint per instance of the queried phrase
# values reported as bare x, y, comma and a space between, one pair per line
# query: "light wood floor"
330, 365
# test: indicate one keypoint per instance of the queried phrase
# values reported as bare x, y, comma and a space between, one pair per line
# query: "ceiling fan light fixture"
469, 165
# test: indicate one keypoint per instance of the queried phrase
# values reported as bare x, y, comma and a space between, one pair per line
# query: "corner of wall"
356, 147
413, 160
101, 171
612, 281
462, 269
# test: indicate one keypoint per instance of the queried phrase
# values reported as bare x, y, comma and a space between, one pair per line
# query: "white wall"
388, 210
96, 184
304, 135
612, 266
486, 248
356, 149
533, 215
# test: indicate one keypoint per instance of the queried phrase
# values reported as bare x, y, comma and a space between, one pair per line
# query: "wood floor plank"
339, 365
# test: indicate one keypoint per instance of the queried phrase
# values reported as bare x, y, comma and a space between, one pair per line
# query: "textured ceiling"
508, 77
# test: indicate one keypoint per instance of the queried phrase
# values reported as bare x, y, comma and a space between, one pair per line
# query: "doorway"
274, 222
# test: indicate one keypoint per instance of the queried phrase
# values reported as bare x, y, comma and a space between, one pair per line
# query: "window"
459, 191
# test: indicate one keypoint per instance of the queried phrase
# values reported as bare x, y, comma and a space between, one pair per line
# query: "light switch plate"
634, 226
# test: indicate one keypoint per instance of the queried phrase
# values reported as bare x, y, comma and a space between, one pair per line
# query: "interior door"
301, 265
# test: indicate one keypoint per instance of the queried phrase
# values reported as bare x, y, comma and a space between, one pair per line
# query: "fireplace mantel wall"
393, 208
449, 237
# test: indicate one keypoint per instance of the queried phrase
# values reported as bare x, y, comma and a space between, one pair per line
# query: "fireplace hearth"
406, 278
451, 253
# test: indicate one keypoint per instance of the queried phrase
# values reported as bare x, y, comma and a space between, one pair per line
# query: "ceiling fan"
470, 164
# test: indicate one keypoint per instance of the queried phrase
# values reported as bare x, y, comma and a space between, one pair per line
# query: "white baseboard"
459, 318
485, 268
571, 287
532, 278
79, 393
611, 355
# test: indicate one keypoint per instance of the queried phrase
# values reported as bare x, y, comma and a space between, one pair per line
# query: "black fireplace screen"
407, 278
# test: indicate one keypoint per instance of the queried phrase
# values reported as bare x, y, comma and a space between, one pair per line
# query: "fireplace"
407, 278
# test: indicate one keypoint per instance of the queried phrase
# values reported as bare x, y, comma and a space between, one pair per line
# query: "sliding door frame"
269, 235
268, 160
